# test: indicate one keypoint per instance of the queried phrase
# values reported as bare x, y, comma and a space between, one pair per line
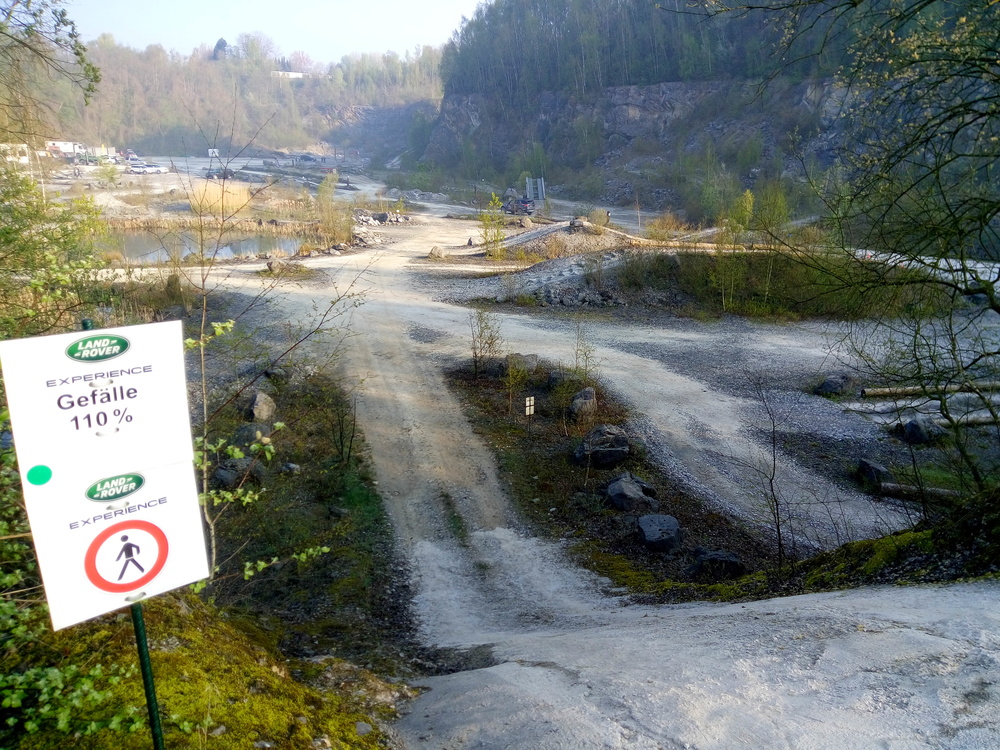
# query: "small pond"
159, 247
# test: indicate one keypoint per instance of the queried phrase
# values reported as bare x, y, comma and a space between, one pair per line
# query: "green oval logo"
115, 488
97, 348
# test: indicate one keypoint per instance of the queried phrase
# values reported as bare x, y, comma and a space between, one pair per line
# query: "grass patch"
564, 500
242, 655
774, 284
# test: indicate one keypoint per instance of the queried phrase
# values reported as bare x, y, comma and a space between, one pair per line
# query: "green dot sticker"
39, 474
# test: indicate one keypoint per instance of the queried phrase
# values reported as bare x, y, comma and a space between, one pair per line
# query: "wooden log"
912, 492
968, 421
921, 390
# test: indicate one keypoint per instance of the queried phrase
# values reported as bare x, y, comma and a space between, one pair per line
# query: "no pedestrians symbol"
126, 556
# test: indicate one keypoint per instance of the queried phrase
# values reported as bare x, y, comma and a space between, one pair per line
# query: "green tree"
918, 191
491, 227
38, 39
46, 279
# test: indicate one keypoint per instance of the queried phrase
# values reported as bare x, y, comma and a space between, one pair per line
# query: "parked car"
519, 206
156, 169
221, 173
135, 167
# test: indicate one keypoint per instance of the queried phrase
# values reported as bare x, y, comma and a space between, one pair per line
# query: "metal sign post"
146, 668
103, 441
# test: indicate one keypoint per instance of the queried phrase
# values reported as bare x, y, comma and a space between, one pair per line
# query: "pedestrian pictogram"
126, 556
129, 551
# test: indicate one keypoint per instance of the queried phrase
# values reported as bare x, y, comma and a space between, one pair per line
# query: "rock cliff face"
639, 130
379, 132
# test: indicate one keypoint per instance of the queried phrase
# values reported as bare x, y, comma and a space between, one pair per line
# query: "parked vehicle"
156, 169
519, 206
136, 167
221, 173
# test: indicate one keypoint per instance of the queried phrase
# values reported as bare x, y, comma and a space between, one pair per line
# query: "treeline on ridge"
514, 49
172, 104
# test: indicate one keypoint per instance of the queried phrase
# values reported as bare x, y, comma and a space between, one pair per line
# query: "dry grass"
666, 226
225, 199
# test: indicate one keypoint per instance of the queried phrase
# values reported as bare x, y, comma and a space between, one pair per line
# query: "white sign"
103, 440
213, 153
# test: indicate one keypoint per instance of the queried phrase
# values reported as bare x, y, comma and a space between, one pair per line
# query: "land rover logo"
115, 488
97, 348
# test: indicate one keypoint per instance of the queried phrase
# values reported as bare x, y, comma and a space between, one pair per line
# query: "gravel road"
886, 668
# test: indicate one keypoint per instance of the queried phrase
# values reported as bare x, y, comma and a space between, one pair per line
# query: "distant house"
286, 74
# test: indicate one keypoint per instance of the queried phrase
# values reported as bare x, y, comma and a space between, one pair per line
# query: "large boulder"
604, 447
583, 405
261, 408
526, 362
629, 493
835, 385
717, 565
873, 474
660, 533
922, 431
237, 472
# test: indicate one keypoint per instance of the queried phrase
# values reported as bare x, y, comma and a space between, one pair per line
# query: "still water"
157, 247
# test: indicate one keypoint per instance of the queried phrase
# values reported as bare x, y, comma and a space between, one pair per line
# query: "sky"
325, 29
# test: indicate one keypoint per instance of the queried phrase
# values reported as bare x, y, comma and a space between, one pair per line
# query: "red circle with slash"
90, 560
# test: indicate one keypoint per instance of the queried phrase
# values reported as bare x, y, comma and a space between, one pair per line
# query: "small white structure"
16, 153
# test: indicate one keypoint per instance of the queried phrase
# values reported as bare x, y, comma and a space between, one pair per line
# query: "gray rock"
236, 472
718, 565
629, 493
583, 405
922, 431
246, 435
660, 533
872, 474
278, 375
526, 362
835, 385
436, 253
363, 728
604, 447
262, 408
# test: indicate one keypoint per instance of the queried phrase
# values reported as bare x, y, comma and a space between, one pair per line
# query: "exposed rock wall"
628, 127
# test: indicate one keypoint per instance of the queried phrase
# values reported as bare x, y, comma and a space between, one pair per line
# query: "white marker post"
103, 440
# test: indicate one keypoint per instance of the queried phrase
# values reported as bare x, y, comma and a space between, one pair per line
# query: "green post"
152, 707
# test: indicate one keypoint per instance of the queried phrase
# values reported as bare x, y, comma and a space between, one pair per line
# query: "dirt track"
560, 685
